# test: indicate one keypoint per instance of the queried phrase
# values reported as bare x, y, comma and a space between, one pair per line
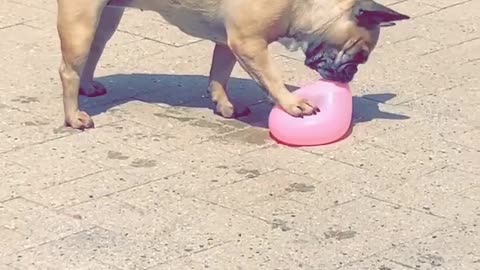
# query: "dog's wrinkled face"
349, 41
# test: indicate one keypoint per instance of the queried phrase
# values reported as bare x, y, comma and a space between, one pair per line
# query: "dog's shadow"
190, 91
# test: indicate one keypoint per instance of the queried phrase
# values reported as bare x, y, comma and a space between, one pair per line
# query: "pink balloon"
329, 125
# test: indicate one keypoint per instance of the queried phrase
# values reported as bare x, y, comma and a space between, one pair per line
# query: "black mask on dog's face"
348, 42
332, 65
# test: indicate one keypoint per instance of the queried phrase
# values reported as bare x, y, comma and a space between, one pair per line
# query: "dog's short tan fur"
242, 31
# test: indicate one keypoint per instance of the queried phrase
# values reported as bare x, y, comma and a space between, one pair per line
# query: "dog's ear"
369, 13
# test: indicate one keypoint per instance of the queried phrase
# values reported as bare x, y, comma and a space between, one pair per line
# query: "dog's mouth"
344, 74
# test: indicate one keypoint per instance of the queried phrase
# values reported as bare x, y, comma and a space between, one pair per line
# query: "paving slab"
338, 228
449, 248
26, 224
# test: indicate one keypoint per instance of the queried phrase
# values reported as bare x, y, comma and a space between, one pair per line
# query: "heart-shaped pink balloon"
329, 125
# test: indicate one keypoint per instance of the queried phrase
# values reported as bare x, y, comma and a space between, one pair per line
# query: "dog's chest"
198, 18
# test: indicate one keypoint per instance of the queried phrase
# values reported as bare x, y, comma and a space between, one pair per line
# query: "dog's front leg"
254, 57
77, 23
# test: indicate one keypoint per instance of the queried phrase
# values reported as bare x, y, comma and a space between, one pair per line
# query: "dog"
335, 35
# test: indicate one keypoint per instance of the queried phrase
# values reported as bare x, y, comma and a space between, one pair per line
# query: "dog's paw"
227, 110
79, 120
297, 106
92, 89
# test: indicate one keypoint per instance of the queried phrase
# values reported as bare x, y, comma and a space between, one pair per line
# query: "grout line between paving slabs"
376, 254
74, 132
32, 144
32, 6
474, 60
156, 180
400, 264
245, 213
106, 264
14, 162
450, 46
161, 42
190, 254
91, 226
22, 111
463, 145
402, 104
53, 210
394, 246
51, 186
49, 241
418, 210
17, 24
136, 186
443, 8
396, 3
238, 211
206, 139
366, 141
102, 170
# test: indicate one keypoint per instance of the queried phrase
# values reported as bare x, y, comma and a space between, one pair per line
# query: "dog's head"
336, 51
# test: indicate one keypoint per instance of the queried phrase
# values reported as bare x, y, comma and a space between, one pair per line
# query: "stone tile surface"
26, 224
350, 231
164, 183
449, 248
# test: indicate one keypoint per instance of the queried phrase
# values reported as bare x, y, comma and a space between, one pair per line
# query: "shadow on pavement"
190, 91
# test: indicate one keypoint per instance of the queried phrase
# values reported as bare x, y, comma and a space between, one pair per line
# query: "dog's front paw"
79, 120
92, 89
297, 106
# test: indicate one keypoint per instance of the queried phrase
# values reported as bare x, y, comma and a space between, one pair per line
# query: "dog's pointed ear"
369, 13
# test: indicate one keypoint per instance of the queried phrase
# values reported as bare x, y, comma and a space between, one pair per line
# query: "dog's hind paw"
93, 89
227, 110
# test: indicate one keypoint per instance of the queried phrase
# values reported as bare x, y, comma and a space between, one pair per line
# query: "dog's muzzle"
343, 73
323, 61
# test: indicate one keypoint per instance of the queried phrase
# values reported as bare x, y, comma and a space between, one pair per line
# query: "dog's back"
198, 18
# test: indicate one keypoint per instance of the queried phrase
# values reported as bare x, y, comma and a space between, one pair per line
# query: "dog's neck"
311, 18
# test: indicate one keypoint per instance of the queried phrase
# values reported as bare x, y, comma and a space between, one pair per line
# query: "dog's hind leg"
77, 21
222, 65
107, 26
